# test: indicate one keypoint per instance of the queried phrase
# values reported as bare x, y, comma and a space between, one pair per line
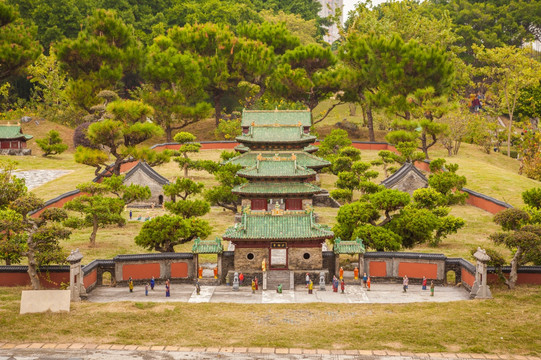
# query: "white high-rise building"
328, 8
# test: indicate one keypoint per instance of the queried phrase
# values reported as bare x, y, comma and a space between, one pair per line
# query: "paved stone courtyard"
354, 294
36, 178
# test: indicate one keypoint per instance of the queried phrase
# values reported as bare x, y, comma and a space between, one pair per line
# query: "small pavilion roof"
276, 167
401, 173
303, 158
311, 148
148, 170
276, 134
283, 225
12, 132
348, 247
279, 188
207, 246
284, 117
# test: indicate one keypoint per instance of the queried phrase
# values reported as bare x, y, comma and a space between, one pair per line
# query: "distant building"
328, 8
13, 141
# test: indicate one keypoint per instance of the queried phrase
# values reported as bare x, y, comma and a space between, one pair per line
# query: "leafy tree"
49, 90
37, 239
304, 30
52, 144
508, 70
95, 208
304, 75
456, 129
174, 87
187, 145
447, 182
529, 102
529, 149
275, 35
221, 195
105, 55
491, 23
228, 129
342, 195
128, 193
223, 58
11, 187
18, 47
164, 232
519, 236
121, 134
221, 12
332, 143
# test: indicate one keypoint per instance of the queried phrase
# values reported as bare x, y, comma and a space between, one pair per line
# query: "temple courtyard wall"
382, 267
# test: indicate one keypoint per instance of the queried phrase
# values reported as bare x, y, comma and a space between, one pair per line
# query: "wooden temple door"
293, 204
259, 204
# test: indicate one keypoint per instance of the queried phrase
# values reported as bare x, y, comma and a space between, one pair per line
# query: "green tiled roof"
270, 188
289, 226
270, 168
276, 134
242, 148
348, 247
311, 148
303, 159
207, 246
286, 117
12, 132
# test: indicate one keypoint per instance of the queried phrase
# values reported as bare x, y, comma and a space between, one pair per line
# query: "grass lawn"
509, 323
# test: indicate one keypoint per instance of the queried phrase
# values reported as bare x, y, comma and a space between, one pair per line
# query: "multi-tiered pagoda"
277, 225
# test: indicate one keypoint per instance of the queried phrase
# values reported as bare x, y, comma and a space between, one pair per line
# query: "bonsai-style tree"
519, 236
125, 127
95, 208
187, 145
52, 144
37, 239
164, 232
184, 188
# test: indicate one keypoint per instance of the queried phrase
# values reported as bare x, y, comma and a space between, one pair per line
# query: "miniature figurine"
431, 287
279, 289
322, 282
146, 289
216, 272
310, 287
130, 284
264, 265
405, 283
241, 278
307, 279
200, 271
167, 288
368, 283
236, 282
355, 273
152, 283
256, 284
364, 279
341, 273
334, 284
130, 214
253, 286
424, 282
342, 286
197, 287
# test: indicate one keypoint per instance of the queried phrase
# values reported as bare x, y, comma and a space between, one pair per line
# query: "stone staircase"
275, 277
208, 281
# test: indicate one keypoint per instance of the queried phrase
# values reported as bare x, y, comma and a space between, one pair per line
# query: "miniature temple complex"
277, 226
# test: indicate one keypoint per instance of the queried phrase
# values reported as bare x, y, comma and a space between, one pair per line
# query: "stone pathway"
354, 294
43, 351
36, 178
